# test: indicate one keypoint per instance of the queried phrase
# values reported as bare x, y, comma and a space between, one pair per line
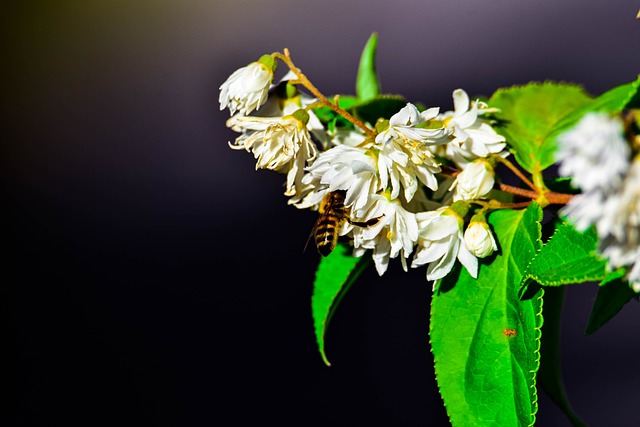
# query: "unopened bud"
479, 239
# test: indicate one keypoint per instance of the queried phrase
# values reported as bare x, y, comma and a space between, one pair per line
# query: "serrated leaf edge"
537, 84
538, 333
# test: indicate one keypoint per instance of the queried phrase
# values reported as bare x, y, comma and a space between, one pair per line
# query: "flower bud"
479, 240
474, 182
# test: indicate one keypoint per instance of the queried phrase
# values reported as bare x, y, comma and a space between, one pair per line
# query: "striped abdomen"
332, 216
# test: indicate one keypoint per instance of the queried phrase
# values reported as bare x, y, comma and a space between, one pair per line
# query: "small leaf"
568, 257
550, 374
330, 118
486, 341
326, 114
613, 294
530, 113
367, 84
334, 276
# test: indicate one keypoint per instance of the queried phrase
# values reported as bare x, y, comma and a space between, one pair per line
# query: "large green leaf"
367, 83
568, 257
529, 113
485, 340
612, 101
335, 274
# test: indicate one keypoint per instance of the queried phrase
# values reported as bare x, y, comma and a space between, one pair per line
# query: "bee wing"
311, 234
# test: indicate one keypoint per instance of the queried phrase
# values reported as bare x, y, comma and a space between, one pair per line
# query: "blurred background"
152, 276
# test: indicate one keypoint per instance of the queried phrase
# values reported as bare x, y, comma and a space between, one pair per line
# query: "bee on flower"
384, 175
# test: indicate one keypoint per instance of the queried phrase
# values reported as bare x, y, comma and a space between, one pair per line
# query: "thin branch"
516, 171
519, 191
304, 81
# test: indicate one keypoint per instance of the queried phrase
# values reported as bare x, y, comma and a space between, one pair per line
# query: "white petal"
460, 101
470, 262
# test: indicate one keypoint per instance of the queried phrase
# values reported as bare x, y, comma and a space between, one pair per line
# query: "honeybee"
333, 214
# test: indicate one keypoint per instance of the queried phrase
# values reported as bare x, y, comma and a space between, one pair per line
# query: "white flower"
247, 88
284, 99
594, 153
404, 159
584, 210
473, 136
619, 226
479, 239
282, 144
474, 182
342, 167
440, 243
404, 126
394, 234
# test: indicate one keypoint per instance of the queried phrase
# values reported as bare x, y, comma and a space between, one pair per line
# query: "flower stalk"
304, 81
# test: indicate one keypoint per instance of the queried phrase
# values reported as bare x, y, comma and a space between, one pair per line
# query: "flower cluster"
419, 171
601, 154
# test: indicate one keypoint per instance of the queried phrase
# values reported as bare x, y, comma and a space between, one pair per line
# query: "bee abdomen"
327, 234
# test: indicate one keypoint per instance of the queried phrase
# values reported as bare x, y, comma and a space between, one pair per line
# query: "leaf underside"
334, 276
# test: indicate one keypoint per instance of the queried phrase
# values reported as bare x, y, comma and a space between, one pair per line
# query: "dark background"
153, 277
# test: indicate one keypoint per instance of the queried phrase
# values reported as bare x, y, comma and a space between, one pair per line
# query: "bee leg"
368, 223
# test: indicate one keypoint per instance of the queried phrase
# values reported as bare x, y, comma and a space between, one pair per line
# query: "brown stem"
519, 191
516, 171
304, 81
550, 196
558, 198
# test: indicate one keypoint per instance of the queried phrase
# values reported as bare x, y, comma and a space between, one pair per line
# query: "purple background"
155, 277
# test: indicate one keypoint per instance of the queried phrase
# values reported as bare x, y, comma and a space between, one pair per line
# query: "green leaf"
613, 101
334, 276
330, 118
530, 113
550, 374
326, 114
383, 106
613, 294
367, 84
568, 257
484, 339
617, 99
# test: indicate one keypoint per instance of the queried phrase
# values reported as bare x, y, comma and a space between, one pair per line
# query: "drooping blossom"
247, 88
